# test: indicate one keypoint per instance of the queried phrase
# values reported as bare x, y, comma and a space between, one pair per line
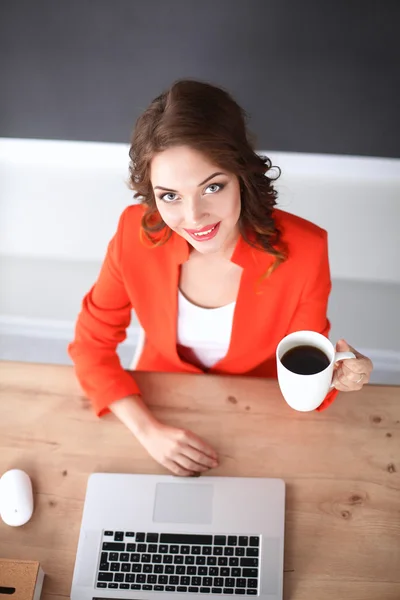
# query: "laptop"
164, 537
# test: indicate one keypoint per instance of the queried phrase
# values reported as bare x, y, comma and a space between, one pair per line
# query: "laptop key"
125, 567
174, 549
136, 568
232, 540
235, 572
185, 549
152, 579
200, 560
114, 546
114, 567
105, 577
152, 538
228, 591
113, 586
131, 547
205, 590
147, 568
158, 588
173, 580
186, 539
240, 591
163, 548
185, 580
196, 550
252, 551
202, 571
229, 551
124, 557
124, 586
181, 588
140, 537
196, 581
206, 551
153, 548
179, 559
147, 587
207, 581
217, 590
243, 540
129, 534
218, 551
249, 562
191, 571
194, 590
213, 571
251, 592
141, 578
168, 559
252, 583
220, 540
146, 558
254, 541
142, 548
229, 582
119, 536
222, 561
136, 586
169, 569
240, 583
135, 557
129, 578
158, 569
108, 533
180, 570
170, 588
225, 571
104, 566
162, 579
157, 558
233, 561
118, 577
101, 585
104, 557
250, 572
211, 560
239, 551
218, 581
189, 560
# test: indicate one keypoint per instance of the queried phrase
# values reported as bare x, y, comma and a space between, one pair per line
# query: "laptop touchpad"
183, 503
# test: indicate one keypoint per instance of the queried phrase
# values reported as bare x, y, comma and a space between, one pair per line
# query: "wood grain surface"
341, 467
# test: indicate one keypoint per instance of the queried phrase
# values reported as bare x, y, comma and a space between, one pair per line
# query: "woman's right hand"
179, 450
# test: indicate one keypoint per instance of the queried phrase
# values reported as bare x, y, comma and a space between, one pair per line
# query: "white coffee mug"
307, 392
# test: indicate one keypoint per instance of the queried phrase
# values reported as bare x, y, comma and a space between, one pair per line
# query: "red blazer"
143, 277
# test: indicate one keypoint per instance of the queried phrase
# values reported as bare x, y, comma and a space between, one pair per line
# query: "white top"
203, 334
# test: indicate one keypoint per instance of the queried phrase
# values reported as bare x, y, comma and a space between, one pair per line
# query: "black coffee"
305, 360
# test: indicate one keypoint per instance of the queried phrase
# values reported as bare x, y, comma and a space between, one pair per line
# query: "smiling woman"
216, 274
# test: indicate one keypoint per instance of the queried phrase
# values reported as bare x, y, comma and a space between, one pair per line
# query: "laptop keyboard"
170, 562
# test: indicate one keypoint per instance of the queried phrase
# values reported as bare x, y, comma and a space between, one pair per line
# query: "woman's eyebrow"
160, 187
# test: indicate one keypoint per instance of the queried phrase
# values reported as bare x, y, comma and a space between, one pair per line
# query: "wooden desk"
342, 469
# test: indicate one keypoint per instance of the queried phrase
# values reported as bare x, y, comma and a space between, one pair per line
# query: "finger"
353, 376
177, 469
198, 444
186, 462
199, 458
343, 346
357, 365
344, 384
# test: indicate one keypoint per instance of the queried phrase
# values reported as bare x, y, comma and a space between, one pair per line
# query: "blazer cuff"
330, 397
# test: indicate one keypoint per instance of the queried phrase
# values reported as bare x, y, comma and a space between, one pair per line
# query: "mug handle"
341, 356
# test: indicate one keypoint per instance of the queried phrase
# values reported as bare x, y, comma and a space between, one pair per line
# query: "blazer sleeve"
311, 312
102, 322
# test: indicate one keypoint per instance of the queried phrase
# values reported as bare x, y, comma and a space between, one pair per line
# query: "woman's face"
196, 199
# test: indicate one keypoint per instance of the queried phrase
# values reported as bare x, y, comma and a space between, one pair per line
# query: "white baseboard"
385, 361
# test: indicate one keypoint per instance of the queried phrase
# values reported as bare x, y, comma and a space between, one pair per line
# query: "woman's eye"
213, 187
169, 197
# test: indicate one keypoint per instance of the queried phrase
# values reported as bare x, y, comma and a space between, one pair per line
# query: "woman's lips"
204, 234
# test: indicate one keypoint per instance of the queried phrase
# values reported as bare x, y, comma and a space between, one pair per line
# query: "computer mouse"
16, 498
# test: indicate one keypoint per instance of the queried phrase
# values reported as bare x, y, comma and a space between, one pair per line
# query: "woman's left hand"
351, 374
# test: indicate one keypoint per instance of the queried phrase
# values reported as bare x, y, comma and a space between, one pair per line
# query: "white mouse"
16, 498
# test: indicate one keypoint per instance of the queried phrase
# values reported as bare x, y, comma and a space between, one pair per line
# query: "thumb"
343, 346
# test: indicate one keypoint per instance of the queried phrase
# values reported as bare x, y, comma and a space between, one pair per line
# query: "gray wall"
314, 76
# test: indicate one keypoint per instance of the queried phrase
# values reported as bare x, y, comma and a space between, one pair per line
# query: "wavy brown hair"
206, 118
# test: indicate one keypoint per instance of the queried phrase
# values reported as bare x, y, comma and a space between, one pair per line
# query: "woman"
216, 274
